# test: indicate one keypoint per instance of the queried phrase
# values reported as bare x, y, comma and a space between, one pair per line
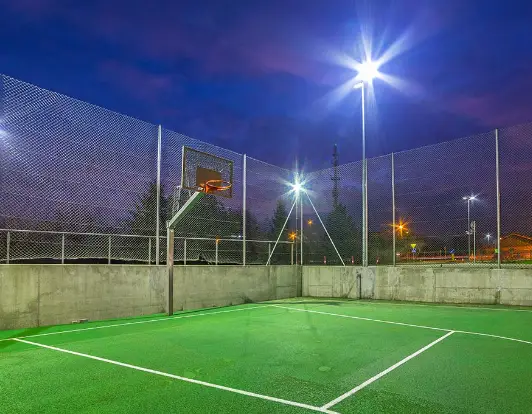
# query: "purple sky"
258, 76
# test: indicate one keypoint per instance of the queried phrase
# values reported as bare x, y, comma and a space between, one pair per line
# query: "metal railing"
39, 246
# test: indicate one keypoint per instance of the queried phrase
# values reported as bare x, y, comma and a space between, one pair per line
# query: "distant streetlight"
367, 71
469, 199
292, 235
310, 222
488, 237
402, 228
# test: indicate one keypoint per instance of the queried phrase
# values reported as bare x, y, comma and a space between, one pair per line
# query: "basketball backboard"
206, 172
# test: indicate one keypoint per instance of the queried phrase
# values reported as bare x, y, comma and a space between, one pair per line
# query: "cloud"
136, 82
217, 42
31, 8
495, 109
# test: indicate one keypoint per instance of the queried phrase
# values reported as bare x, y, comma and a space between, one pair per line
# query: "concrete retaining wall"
422, 284
338, 282
198, 287
39, 295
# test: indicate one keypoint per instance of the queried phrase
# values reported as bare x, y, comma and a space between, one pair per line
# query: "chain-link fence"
80, 179
333, 211
268, 202
82, 183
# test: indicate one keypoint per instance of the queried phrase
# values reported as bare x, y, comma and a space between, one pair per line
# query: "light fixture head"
368, 70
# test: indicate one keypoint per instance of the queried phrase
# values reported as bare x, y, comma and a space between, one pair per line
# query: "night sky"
259, 77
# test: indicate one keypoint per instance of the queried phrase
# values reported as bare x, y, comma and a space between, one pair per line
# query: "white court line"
404, 324
177, 377
436, 306
133, 323
383, 373
362, 318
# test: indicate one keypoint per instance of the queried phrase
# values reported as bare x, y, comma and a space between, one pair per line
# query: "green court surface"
290, 356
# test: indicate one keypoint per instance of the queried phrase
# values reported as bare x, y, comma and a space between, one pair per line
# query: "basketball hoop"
213, 186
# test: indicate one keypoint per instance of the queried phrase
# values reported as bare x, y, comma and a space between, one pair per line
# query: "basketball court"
298, 355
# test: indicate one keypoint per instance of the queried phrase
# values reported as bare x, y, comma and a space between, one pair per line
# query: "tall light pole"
469, 199
367, 71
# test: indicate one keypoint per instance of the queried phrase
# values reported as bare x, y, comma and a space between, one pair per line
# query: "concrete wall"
39, 295
422, 284
207, 286
338, 282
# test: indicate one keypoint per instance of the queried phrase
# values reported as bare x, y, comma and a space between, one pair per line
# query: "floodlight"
297, 187
368, 70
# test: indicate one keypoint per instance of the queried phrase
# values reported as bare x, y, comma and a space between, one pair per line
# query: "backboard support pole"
170, 226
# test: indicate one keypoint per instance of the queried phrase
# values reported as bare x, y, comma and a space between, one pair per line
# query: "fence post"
63, 248
149, 250
170, 270
301, 225
216, 253
269, 249
244, 213
109, 251
8, 244
158, 212
393, 209
185, 252
292, 253
497, 171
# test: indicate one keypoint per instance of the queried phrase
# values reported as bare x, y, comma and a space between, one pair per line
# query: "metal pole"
170, 268
8, 244
216, 253
364, 183
63, 248
109, 251
297, 223
292, 253
269, 252
474, 225
149, 250
301, 225
158, 222
244, 212
498, 199
185, 252
468, 231
393, 209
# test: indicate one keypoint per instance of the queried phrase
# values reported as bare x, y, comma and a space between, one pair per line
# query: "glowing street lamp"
310, 222
469, 199
367, 71
401, 227
488, 237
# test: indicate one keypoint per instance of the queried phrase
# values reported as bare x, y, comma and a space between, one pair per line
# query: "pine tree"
143, 218
279, 217
345, 235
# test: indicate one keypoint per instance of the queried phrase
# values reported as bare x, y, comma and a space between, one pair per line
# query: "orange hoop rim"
217, 185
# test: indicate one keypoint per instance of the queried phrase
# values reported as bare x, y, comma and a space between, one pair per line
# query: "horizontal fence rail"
38, 246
